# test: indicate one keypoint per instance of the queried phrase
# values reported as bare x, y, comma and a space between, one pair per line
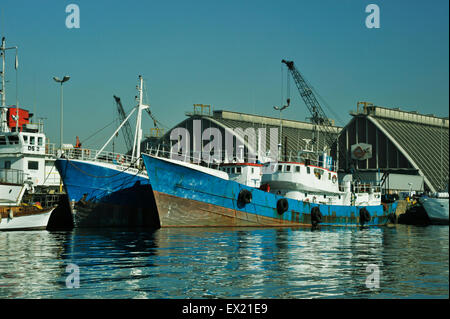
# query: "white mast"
4, 121
3, 49
138, 132
4, 127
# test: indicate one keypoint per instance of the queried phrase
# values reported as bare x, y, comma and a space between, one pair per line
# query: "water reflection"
226, 263
30, 262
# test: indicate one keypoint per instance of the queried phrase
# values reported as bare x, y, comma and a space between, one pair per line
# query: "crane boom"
318, 116
127, 133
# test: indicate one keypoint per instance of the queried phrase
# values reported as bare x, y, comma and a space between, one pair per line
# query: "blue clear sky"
224, 53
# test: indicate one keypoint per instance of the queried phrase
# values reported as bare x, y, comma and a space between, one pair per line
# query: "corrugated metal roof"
295, 131
426, 145
295, 136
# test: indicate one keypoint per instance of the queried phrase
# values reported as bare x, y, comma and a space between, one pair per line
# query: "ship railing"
209, 160
11, 176
307, 158
104, 157
363, 188
51, 149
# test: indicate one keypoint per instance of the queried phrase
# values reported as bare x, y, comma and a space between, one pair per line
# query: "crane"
127, 133
318, 117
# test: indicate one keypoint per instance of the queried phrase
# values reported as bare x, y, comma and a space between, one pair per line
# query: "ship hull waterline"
186, 197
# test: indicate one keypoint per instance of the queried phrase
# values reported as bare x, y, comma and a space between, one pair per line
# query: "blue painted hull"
188, 197
107, 196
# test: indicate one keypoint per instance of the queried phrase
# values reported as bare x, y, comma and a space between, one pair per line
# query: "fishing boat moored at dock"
191, 195
107, 189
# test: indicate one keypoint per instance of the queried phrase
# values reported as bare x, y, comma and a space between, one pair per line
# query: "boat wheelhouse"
244, 173
27, 149
318, 184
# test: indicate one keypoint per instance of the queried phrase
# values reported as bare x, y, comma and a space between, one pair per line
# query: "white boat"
436, 207
310, 177
25, 218
14, 214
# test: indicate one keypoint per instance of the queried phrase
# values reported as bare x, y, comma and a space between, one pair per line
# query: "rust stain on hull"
175, 212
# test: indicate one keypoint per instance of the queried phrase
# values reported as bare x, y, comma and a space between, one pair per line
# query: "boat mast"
4, 121
4, 127
138, 133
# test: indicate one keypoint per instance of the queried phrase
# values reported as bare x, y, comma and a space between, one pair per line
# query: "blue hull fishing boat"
109, 189
104, 194
193, 195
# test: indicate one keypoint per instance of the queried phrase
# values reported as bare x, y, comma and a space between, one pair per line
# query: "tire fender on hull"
245, 197
364, 216
282, 205
316, 216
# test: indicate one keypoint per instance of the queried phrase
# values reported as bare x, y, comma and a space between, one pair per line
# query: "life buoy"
364, 216
282, 205
245, 197
334, 179
316, 216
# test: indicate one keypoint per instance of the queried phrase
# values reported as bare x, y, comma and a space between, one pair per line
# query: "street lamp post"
65, 79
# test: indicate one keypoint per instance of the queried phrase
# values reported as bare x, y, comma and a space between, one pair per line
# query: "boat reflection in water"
227, 263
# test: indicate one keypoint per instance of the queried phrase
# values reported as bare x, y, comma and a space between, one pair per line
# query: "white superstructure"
23, 145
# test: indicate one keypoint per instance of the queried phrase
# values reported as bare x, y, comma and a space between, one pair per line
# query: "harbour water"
226, 263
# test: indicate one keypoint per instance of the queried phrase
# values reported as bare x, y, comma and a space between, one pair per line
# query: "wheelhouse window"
7, 164
40, 139
32, 140
308, 170
25, 139
297, 169
2, 140
33, 165
239, 170
280, 168
288, 168
13, 139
